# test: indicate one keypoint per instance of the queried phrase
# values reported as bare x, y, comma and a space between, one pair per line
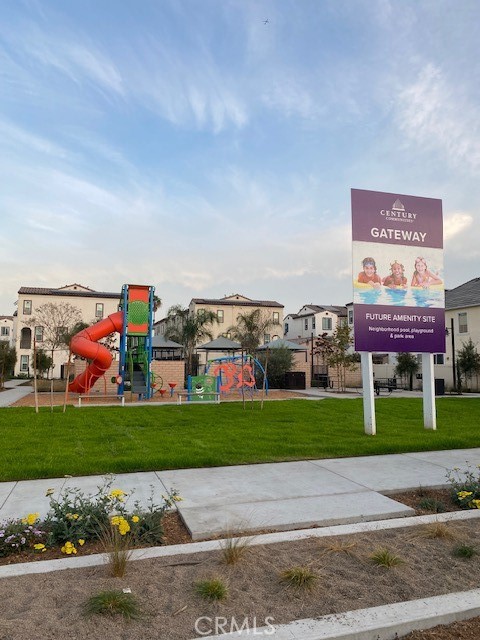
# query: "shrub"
21, 535
339, 546
431, 504
113, 603
436, 530
385, 558
76, 516
465, 486
212, 589
117, 540
299, 578
465, 551
233, 549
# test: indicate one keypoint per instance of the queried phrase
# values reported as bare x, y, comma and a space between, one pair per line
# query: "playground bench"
390, 384
103, 397
188, 394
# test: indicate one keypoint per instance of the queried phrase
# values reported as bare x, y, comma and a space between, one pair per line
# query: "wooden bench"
389, 384
97, 396
189, 394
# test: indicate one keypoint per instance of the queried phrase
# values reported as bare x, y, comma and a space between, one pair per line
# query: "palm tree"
251, 328
157, 303
189, 329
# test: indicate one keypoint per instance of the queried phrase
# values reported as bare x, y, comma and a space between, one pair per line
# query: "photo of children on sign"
395, 275
398, 280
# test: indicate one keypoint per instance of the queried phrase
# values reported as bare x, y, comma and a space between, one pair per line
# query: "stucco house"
462, 322
313, 318
92, 305
6, 329
227, 310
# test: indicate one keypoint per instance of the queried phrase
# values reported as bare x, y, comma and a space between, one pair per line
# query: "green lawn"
114, 439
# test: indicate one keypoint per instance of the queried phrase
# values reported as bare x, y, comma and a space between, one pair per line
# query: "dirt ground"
59, 398
49, 606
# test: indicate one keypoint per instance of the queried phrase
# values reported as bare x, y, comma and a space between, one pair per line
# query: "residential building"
227, 310
462, 314
92, 305
315, 319
6, 329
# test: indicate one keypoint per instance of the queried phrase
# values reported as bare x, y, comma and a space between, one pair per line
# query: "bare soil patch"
58, 398
49, 606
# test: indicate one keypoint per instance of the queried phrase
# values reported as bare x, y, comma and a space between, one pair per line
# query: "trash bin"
439, 387
294, 380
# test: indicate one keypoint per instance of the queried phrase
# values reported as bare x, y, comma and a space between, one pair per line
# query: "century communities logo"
398, 213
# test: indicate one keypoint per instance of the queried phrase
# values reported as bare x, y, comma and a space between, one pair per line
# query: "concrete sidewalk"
14, 390
281, 496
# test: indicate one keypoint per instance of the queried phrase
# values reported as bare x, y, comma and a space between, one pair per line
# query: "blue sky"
189, 145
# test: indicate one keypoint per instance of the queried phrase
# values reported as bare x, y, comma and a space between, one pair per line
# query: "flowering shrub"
75, 518
22, 534
465, 487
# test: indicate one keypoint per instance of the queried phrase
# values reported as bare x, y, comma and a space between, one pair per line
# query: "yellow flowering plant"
21, 535
74, 516
465, 486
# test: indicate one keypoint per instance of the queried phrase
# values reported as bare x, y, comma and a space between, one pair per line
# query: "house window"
266, 338
4, 331
220, 316
326, 324
26, 338
306, 324
350, 316
24, 363
462, 323
27, 307
276, 317
99, 310
38, 334
313, 322
286, 327
438, 358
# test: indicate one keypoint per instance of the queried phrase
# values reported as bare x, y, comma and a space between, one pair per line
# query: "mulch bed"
175, 531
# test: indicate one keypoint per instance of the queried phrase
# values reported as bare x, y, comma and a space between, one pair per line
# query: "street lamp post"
454, 369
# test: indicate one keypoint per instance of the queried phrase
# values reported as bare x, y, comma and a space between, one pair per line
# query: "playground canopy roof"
220, 344
279, 343
159, 342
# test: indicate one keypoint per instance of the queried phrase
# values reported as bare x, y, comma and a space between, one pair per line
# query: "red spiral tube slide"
85, 344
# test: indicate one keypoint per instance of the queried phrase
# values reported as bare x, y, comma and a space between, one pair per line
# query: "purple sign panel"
398, 283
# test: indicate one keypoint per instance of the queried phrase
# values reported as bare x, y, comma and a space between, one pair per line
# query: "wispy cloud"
456, 223
437, 116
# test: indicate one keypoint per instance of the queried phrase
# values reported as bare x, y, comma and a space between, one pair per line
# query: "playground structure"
133, 322
236, 373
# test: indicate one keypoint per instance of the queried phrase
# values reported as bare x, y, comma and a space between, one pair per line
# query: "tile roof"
338, 310
44, 291
465, 295
237, 303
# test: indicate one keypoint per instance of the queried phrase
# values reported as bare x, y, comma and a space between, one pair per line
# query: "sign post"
429, 413
369, 420
398, 289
